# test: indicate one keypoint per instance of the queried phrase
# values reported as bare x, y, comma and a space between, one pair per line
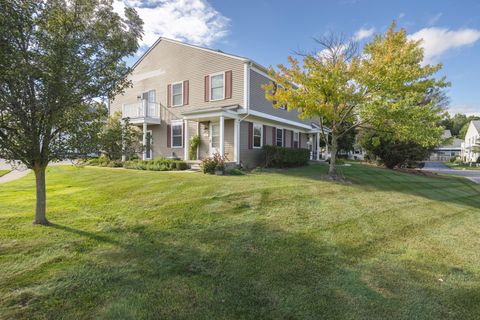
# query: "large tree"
385, 87
57, 59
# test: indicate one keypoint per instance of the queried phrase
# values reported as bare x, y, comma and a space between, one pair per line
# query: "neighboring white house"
446, 151
471, 146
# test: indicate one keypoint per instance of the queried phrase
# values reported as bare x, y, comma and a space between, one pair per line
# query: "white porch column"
198, 134
222, 136
236, 141
144, 141
186, 144
124, 157
317, 155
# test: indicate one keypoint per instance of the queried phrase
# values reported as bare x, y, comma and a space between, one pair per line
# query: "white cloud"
432, 20
363, 33
437, 41
468, 109
401, 15
192, 21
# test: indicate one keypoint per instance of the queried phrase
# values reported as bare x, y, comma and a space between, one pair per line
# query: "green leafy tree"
119, 139
57, 58
390, 151
387, 87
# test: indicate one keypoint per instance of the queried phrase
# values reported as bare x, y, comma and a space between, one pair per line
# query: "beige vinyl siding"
168, 63
258, 102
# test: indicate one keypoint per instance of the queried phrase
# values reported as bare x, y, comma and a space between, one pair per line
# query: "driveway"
439, 167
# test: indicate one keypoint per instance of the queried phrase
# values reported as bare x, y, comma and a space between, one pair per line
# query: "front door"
214, 139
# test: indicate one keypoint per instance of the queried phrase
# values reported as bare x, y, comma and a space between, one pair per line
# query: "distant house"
471, 145
451, 149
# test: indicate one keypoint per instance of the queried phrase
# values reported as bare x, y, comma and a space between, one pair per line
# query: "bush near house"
280, 157
214, 163
102, 161
153, 165
156, 165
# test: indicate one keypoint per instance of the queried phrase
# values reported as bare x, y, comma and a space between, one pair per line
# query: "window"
295, 139
148, 147
177, 135
279, 137
257, 135
217, 89
177, 94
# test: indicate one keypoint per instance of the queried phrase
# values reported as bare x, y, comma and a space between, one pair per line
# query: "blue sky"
268, 31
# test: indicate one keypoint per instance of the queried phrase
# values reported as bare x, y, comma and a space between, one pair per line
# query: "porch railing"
141, 109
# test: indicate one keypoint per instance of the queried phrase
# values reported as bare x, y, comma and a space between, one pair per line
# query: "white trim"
222, 136
210, 86
172, 124
236, 141
246, 85
261, 135
171, 93
266, 75
278, 119
186, 143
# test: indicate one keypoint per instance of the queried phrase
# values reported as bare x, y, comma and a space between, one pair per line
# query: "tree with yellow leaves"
387, 87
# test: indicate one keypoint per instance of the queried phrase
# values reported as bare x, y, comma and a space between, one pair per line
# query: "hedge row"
153, 165
156, 165
280, 157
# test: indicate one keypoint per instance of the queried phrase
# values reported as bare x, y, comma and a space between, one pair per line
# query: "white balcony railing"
141, 109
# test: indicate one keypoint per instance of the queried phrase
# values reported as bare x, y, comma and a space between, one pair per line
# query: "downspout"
246, 103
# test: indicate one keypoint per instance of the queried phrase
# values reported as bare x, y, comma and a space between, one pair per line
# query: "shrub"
156, 165
235, 172
214, 163
453, 159
279, 157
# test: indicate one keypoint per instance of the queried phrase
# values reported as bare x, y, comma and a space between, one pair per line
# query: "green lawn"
4, 172
271, 245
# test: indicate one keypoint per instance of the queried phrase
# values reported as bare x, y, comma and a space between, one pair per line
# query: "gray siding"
258, 102
249, 158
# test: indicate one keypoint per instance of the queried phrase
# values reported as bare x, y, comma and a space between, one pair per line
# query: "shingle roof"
476, 124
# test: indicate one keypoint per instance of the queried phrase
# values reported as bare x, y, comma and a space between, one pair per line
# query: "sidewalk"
13, 175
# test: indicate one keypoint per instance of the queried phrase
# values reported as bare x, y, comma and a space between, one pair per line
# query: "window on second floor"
279, 139
177, 94
217, 86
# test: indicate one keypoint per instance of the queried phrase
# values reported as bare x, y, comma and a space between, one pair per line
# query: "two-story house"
471, 146
180, 90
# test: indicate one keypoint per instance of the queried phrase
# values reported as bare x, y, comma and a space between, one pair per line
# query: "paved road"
439, 167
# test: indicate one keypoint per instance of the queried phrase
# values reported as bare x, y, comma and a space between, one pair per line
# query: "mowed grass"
269, 245
4, 172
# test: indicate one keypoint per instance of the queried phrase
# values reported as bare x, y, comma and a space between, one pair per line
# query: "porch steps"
194, 165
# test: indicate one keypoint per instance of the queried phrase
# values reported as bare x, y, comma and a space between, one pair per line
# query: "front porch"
219, 132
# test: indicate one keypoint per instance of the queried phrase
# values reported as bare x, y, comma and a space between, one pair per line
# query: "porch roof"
212, 112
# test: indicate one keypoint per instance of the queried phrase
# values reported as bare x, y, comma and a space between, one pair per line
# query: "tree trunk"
332, 170
41, 198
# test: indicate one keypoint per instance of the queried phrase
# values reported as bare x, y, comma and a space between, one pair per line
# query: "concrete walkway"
13, 175
439, 167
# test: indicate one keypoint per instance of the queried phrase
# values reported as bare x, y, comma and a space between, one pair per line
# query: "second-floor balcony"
142, 111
